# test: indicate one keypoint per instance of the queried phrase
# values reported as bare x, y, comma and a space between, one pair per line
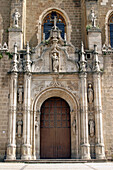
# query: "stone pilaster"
15, 35
85, 147
11, 147
100, 152
26, 147
94, 37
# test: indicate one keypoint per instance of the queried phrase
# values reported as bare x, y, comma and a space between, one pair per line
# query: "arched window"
48, 23
110, 30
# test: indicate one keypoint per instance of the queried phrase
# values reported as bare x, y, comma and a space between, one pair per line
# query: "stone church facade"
56, 92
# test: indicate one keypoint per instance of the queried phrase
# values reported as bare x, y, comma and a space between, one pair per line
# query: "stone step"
57, 160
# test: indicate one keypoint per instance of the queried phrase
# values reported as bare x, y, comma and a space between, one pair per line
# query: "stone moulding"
109, 13
55, 91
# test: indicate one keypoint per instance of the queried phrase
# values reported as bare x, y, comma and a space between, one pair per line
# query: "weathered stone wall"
4, 101
83, 23
101, 8
107, 103
5, 14
35, 9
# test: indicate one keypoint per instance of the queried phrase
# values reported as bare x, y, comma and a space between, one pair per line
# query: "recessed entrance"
55, 131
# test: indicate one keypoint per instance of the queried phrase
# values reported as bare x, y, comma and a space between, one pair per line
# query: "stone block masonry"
4, 101
35, 8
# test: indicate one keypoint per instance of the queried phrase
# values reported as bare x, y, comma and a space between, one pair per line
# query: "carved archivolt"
57, 92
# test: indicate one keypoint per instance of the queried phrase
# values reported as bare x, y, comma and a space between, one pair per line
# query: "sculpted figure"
91, 128
19, 128
20, 97
55, 62
16, 16
90, 93
93, 18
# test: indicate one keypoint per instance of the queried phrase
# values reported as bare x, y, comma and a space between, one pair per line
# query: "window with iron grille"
48, 23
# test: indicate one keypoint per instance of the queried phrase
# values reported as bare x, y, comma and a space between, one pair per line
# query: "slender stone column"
11, 147
100, 152
26, 147
85, 147
37, 136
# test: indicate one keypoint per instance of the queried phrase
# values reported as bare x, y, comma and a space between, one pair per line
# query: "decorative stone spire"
5, 47
28, 61
15, 62
82, 59
104, 48
109, 48
96, 62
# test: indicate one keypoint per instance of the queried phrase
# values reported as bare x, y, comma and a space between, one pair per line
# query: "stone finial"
96, 62
109, 47
5, 47
16, 16
28, 49
43, 36
65, 37
82, 59
93, 18
28, 61
0, 46
104, 48
15, 62
15, 48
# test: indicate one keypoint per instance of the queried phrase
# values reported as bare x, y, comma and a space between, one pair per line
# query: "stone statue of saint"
19, 128
20, 95
91, 128
55, 60
93, 18
90, 93
16, 16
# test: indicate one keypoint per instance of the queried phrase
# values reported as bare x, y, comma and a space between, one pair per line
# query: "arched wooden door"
55, 130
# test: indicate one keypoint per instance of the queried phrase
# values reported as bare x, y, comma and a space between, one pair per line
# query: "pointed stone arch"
109, 13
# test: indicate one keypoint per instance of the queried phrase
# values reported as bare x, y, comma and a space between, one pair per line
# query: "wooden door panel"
63, 147
48, 151
55, 129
